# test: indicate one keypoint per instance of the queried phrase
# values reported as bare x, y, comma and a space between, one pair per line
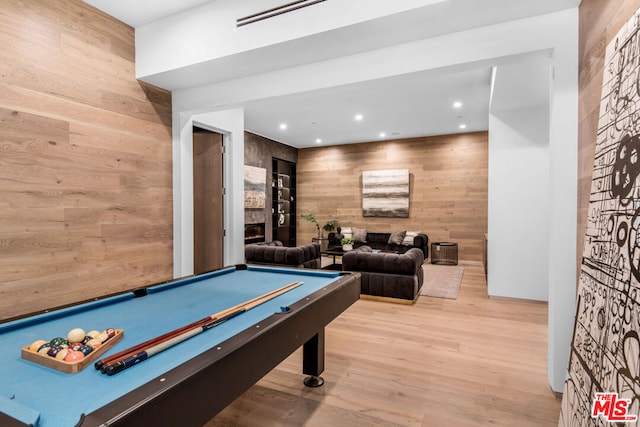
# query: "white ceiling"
408, 106
417, 104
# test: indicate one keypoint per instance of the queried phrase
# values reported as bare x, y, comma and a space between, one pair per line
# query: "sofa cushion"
396, 237
359, 235
408, 237
346, 232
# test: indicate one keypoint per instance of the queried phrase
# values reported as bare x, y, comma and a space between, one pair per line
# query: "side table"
445, 253
323, 241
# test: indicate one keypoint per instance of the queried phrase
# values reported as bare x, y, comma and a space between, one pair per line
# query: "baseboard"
499, 297
389, 299
460, 262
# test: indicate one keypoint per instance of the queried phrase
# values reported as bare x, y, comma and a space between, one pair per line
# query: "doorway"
208, 208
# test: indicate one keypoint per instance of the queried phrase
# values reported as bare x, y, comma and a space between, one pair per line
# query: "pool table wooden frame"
203, 386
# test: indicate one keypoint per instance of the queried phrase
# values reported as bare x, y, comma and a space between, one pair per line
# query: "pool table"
186, 384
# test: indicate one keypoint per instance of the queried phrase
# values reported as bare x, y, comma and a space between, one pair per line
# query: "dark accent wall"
259, 151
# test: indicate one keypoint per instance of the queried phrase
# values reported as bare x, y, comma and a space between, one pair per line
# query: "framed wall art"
385, 193
255, 187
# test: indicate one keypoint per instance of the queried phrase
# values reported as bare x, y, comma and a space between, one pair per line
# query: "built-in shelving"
283, 185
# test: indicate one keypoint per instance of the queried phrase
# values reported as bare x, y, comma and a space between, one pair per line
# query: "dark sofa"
387, 276
380, 241
274, 253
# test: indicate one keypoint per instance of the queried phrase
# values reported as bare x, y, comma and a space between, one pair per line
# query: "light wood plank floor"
473, 361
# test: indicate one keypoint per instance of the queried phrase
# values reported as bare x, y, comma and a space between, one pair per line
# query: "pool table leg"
313, 360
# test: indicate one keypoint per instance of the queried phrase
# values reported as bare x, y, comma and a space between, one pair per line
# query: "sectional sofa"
387, 276
399, 241
274, 253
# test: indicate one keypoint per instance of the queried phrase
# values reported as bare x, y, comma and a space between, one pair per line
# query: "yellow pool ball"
36, 345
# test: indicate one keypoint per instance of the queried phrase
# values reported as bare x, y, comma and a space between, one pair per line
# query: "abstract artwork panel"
255, 187
605, 349
385, 193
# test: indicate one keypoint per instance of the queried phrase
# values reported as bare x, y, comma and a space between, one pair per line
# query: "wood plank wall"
448, 179
600, 21
85, 159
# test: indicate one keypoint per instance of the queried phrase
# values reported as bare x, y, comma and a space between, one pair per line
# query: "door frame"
229, 123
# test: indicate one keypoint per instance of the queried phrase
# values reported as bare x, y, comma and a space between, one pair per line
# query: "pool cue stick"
141, 346
116, 366
156, 340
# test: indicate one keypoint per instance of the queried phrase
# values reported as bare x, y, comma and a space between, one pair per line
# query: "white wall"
518, 226
563, 198
230, 123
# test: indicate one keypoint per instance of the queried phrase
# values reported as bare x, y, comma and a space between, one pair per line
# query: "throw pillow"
408, 238
359, 235
396, 238
347, 232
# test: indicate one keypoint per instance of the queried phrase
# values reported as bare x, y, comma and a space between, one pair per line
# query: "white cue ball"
75, 335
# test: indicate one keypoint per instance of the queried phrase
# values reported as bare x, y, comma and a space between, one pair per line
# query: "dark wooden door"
208, 222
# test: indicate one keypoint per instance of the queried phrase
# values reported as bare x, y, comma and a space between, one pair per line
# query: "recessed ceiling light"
457, 104
382, 134
318, 141
462, 126
283, 126
359, 117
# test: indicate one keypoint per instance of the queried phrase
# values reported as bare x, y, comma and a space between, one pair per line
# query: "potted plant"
347, 243
328, 226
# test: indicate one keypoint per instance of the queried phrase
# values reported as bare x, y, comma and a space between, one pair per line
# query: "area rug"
442, 281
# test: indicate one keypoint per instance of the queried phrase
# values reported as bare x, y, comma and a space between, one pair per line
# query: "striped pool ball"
85, 349
59, 341
44, 348
54, 350
36, 345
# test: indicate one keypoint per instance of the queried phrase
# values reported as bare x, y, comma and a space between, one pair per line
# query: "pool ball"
75, 345
73, 356
62, 353
111, 332
94, 342
93, 333
75, 335
44, 348
102, 336
59, 341
86, 339
36, 345
53, 350
85, 349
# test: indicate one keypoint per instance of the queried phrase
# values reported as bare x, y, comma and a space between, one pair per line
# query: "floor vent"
270, 13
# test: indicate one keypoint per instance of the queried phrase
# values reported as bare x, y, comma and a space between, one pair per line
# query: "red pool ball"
73, 356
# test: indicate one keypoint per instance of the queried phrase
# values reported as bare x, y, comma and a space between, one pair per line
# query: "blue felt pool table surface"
48, 398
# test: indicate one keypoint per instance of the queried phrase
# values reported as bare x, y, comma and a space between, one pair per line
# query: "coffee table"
333, 252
